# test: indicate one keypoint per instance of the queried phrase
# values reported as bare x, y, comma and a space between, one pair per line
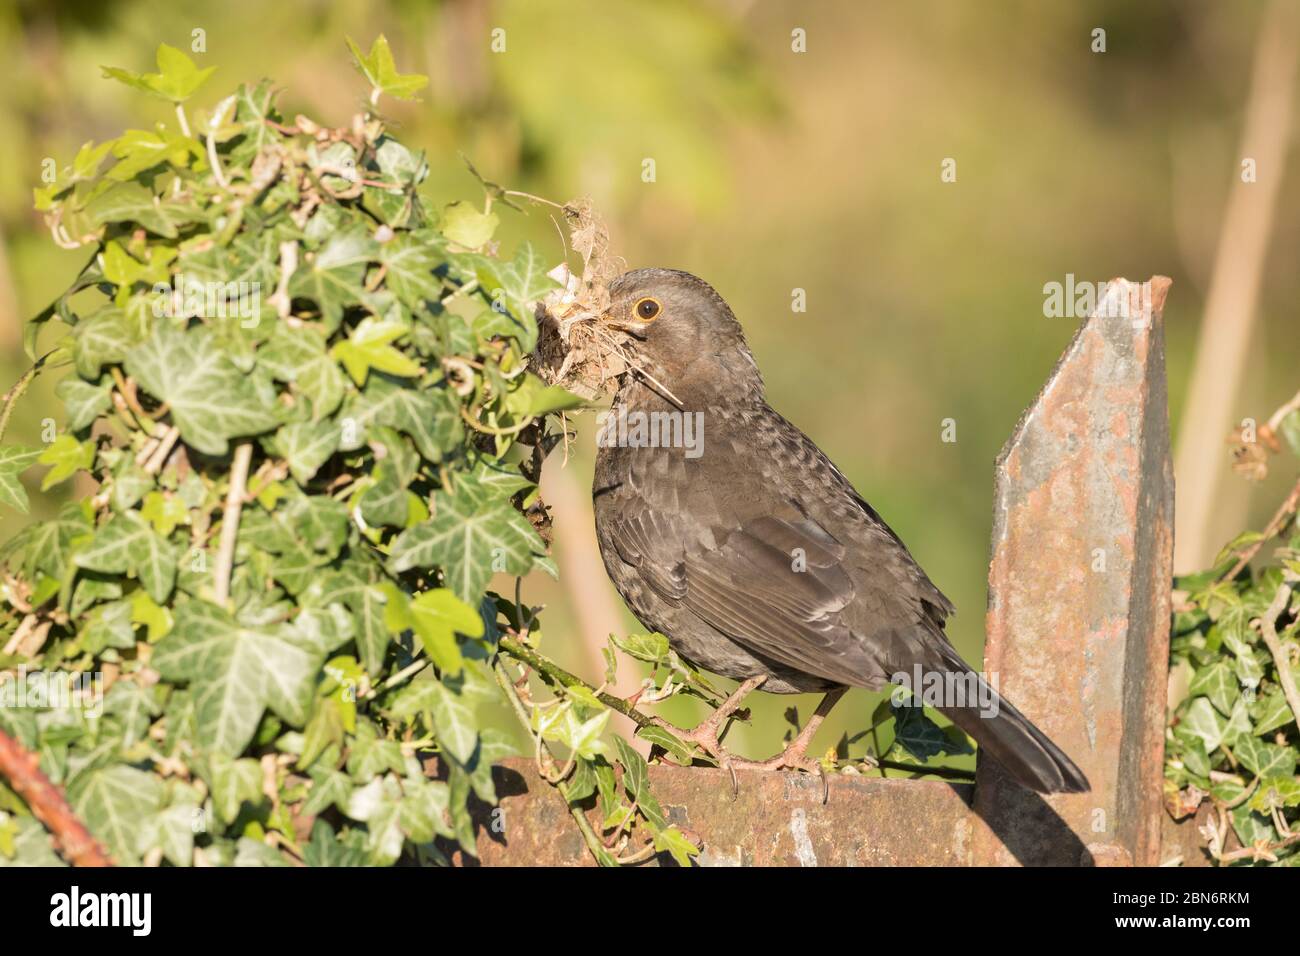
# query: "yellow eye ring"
647, 309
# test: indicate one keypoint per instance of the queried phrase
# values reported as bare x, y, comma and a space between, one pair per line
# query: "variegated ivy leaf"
103, 339
14, 460
298, 356
44, 545
210, 400
469, 537
355, 584
514, 287
231, 782
305, 446
129, 545
117, 803
411, 261
430, 416
1265, 760
237, 672
334, 277
84, 402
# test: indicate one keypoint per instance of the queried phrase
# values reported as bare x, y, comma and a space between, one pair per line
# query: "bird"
753, 553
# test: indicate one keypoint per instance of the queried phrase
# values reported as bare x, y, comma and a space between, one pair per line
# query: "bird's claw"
792, 758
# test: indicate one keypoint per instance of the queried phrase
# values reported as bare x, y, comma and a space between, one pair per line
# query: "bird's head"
683, 334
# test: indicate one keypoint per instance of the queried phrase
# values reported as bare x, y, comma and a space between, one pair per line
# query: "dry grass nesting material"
573, 349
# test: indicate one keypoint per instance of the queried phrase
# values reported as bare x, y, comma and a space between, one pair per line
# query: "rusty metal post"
1079, 582
1078, 637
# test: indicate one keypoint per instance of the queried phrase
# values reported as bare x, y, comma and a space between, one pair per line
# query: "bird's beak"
630, 326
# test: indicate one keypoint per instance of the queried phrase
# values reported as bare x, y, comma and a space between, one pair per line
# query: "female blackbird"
726, 529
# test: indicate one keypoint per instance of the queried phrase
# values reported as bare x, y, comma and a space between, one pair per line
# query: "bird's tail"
1010, 738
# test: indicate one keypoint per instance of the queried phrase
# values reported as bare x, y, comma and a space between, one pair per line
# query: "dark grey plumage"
701, 548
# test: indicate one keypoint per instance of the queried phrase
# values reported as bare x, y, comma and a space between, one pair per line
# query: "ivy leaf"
430, 416
334, 278
466, 226
453, 719
84, 402
138, 150
211, 401
1218, 683
636, 780
305, 446
131, 202
920, 736
370, 346
299, 356
515, 286
534, 398
109, 625
129, 545
372, 754
164, 511
1266, 760
232, 782
437, 616
1201, 721
176, 81
651, 648
410, 265
469, 539
1275, 792
66, 456
674, 842
14, 460
237, 672
1271, 711
381, 72
329, 788
117, 804
103, 339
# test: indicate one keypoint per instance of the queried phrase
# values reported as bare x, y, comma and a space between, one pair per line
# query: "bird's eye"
647, 309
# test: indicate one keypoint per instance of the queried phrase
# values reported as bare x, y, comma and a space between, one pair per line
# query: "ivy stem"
16, 391
1268, 628
584, 825
243, 457
410, 670
1274, 527
478, 426
182, 119
555, 672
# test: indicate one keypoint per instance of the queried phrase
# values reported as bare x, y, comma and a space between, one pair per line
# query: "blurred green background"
775, 170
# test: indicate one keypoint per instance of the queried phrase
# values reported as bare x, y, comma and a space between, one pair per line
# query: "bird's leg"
706, 733
795, 756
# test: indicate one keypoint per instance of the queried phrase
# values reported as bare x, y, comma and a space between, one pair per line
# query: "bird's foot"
707, 735
794, 757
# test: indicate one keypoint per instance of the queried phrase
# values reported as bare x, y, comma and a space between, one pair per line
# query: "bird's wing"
776, 586
772, 584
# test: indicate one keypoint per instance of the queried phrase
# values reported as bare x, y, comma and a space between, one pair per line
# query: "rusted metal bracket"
1079, 589
1078, 638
